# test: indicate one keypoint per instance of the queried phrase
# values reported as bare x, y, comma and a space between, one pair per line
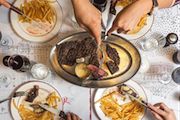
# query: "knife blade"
111, 16
50, 109
142, 102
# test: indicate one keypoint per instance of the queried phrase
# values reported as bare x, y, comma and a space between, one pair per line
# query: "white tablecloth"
79, 99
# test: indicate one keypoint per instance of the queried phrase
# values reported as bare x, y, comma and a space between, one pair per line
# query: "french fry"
39, 10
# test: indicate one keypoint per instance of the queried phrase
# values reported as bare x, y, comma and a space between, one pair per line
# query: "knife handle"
62, 115
15, 9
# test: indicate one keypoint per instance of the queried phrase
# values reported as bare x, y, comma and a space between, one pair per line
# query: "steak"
113, 67
94, 60
72, 50
113, 54
32, 94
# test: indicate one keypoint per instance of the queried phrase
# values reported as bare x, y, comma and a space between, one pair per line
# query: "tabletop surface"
78, 99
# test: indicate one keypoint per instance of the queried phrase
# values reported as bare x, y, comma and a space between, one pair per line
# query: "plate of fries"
21, 109
142, 27
41, 21
112, 104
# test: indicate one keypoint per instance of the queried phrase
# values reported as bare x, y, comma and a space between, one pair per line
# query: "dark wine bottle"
17, 62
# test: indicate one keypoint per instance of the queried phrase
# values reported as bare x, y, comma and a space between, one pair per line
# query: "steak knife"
142, 102
111, 15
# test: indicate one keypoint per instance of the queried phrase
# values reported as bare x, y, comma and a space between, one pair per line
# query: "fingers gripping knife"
18, 11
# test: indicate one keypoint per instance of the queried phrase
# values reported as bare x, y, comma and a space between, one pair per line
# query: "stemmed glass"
154, 41
5, 41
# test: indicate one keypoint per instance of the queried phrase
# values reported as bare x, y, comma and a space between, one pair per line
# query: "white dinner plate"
45, 34
44, 90
141, 33
101, 92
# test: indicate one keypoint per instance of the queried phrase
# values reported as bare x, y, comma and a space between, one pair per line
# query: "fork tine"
19, 93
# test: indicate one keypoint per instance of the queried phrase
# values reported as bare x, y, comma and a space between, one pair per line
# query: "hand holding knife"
137, 99
111, 15
12, 7
60, 114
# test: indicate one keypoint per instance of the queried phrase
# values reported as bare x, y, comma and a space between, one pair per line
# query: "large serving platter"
129, 62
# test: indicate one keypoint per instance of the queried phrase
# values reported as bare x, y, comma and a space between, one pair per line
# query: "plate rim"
53, 49
141, 28
44, 41
24, 83
96, 90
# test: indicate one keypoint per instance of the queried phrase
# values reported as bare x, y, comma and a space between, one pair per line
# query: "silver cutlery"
138, 99
18, 11
16, 94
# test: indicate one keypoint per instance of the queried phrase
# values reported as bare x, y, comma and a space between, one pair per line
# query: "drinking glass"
165, 78
153, 42
6, 41
40, 71
176, 75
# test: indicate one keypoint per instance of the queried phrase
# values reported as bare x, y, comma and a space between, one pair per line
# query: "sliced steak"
94, 60
68, 52
113, 67
97, 72
113, 54
32, 94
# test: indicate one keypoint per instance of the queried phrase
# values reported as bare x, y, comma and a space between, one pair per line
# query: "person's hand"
88, 17
5, 3
129, 17
162, 112
72, 116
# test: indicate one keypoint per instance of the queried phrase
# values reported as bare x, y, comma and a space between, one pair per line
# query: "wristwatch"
155, 7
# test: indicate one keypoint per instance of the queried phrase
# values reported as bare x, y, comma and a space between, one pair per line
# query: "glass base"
176, 75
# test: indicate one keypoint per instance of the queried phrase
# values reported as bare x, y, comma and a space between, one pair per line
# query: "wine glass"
153, 42
165, 78
176, 75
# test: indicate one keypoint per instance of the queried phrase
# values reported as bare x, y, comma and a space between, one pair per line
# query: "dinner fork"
16, 94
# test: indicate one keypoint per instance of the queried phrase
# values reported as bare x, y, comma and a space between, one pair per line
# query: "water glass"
39, 71
176, 75
165, 78
153, 42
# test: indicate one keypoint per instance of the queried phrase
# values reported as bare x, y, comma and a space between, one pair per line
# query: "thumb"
113, 28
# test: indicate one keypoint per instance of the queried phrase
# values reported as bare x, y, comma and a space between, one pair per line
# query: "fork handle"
1, 101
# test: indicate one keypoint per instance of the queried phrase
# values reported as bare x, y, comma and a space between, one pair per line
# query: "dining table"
156, 64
